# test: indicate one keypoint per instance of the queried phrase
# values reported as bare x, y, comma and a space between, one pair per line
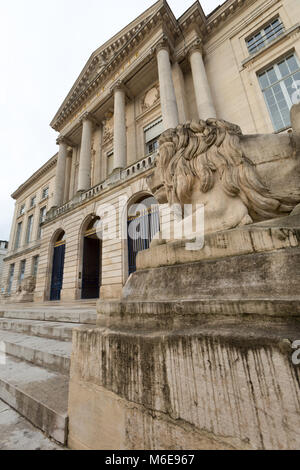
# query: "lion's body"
237, 178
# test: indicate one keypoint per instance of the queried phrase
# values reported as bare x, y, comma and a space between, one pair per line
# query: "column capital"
118, 85
162, 44
64, 140
88, 117
195, 46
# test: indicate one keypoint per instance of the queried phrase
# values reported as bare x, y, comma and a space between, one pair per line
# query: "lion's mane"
208, 150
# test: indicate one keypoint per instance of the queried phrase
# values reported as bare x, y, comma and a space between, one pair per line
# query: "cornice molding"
36, 176
104, 62
64, 140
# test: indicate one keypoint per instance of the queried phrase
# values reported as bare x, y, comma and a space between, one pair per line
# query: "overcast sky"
44, 46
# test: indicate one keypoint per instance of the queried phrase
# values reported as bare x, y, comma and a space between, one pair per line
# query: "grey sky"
44, 46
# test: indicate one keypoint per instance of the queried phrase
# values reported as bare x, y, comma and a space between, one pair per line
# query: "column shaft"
60, 174
167, 92
68, 177
204, 100
84, 177
72, 176
98, 156
120, 140
179, 85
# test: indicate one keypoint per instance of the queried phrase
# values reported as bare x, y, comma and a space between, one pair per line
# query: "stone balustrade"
116, 177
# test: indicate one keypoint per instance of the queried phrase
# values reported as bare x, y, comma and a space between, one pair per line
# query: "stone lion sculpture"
27, 286
238, 179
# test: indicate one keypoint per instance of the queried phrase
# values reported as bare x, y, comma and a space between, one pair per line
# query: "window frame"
265, 40
41, 220
29, 229
18, 235
45, 193
22, 271
281, 79
154, 140
11, 275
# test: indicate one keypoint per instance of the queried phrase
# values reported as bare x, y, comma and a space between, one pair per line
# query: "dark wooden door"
57, 272
91, 268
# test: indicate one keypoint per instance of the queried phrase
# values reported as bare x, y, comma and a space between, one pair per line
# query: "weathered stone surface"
274, 275
241, 241
218, 385
16, 433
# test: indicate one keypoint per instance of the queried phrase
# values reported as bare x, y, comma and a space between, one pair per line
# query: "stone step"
52, 315
43, 352
38, 394
51, 330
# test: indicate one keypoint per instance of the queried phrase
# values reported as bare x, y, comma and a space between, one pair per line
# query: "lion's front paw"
247, 220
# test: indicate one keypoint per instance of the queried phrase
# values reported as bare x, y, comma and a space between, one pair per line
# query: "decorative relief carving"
108, 129
151, 97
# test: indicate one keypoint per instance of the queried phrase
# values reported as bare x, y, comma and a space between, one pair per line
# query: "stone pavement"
16, 433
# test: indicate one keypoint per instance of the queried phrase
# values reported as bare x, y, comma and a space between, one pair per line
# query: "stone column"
84, 177
120, 138
68, 177
204, 100
167, 92
72, 176
180, 93
60, 172
98, 156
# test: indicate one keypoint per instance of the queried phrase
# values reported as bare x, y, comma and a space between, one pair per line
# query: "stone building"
3, 251
240, 63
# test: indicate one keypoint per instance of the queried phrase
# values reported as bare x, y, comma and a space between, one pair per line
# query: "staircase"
34, 372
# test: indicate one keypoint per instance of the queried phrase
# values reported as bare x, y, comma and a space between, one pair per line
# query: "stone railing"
117, 177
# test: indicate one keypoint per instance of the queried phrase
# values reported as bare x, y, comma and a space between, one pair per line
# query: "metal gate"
57, 270
141, 231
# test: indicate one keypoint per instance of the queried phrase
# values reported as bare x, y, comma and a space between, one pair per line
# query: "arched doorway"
142, 225
92, 261
58, 263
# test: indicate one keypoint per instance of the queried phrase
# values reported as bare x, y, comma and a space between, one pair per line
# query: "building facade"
241, 63
3, 251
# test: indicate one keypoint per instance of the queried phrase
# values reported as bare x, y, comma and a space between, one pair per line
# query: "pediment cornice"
106, 60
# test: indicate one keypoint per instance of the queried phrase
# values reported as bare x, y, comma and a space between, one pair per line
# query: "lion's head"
208, 153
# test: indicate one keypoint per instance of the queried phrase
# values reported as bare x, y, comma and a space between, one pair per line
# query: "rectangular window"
32, 201
265, 36
22, 209
152, 134
22, 270
110, 162
45, 193
43, 212
35, 265
18, 235
279, 85
29, 229
10, 277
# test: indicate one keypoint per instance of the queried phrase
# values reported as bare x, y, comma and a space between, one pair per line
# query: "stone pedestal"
198, 354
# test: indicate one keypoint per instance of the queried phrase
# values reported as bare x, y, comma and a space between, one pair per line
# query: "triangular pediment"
105, 54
